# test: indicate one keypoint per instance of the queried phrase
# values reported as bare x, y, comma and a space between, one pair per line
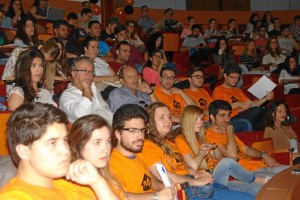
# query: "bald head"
129, 77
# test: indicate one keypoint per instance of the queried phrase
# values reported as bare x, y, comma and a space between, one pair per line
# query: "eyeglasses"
137, 130
84, 71
236, 78
197, 77
157, 56
170, 78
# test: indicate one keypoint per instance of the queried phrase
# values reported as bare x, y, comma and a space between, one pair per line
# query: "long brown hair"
154, 133
80, 134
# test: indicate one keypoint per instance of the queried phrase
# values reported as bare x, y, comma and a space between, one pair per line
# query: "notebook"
55, 13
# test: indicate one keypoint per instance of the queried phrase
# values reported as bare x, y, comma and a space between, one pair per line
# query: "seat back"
171, 41
45, 36
4, 115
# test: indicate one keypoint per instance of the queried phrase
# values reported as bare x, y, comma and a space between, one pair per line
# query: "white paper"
163, 174
261, 87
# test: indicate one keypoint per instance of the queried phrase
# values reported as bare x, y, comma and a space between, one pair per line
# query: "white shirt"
75, 105
285, 75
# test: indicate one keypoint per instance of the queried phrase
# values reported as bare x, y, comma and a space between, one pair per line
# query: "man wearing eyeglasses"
133, 91
81, 97
173, 97
126, 163
86, 16
242, 106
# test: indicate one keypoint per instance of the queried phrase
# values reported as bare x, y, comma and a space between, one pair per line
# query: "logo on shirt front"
202, 102
146, 183
233, 99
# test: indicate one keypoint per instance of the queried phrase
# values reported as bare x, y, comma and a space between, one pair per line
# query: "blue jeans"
270, 171
249, 188
241, 125
229, 167
223, 194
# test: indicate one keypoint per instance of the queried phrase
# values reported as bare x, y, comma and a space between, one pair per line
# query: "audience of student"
277, 127
222, 54
133, 90
40, 131
212, 31
26, 34
155, 42
90, 139
249, 57
295, 28
13, 15
267, 21
82, 97
289, 76
152, 68
198, 154
132, 37
276, 30
273, 55
104, 75
126, 163
108, 32
159, 148
145, 21
173, 97
29, 74
39, 9
253, 18
232, 29
287, 42
242, 107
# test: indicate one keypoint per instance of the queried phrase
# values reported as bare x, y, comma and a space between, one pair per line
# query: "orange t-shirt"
184, 148
155, 154
62, 190
201, 97
221, 140
230, 95
132, 173
174, 101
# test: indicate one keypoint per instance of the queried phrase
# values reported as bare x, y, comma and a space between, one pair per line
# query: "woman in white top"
273, 55
289, 76
29, 72
104, 74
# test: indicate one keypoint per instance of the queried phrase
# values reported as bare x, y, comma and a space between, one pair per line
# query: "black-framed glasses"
137, 130
170, 78
84, 71
197, 77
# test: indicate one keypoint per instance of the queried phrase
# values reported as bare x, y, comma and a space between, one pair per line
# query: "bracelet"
152, 91
154, 196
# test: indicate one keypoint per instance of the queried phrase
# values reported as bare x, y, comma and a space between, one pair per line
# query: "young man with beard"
126, 163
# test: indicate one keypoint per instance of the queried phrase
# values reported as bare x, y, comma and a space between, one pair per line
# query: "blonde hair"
187, 123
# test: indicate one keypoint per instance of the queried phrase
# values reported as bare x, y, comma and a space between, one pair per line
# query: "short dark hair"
29, 122
261, 26
60, 22
232, 68
125, 113
190, 17
194, 69
84, 2
72, 15
113, 20
212, 19
144, 6
296, 17
92, 22
284, 27
198, 26
168, 10
167, 69
124, 42
276, 18
119, 28
85, 11
217, 105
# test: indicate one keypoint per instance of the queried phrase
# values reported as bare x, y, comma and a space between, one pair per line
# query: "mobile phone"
295, 171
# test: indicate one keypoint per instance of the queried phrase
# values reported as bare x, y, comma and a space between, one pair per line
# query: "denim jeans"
229, 167
249, 188
270, 171
223, 194
254, 115
241, 125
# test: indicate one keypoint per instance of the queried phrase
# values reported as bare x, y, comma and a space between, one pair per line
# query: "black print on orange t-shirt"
202, 102
233, 99
146, 183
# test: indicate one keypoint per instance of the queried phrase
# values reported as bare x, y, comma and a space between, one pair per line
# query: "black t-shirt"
274, 33
104, 35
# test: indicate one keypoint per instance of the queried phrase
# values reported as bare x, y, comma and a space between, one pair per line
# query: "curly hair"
271, 110
154, 134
